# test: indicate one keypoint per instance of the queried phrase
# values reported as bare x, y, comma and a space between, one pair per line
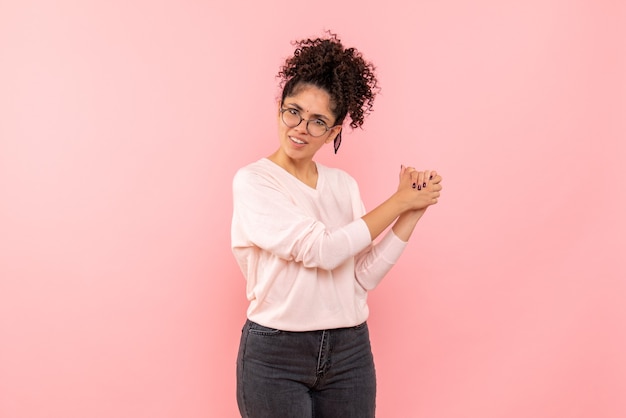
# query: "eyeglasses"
292, 118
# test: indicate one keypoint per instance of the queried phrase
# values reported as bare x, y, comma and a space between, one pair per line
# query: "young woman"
304, 243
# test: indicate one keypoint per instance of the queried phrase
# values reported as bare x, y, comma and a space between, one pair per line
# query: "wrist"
402, 203
413, 214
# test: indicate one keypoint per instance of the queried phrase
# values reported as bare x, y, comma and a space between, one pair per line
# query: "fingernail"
431, 177
424, 185
419, 187
414, 185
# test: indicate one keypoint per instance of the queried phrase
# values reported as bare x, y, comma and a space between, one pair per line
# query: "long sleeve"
305, 253
268, 217
374, 263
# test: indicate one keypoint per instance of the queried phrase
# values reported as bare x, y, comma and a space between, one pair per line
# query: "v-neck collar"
318, 167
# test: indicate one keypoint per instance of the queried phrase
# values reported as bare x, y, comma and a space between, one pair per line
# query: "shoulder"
255, 171
337, 175
260, 175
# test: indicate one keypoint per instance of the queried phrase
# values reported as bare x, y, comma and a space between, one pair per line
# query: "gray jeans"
321, 374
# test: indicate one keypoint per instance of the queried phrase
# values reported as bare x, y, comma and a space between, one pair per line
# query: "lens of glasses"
315, 127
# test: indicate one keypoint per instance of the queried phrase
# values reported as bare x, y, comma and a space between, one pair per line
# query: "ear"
334, 132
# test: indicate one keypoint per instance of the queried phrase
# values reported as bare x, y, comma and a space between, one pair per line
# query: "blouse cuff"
391, 247
359, 235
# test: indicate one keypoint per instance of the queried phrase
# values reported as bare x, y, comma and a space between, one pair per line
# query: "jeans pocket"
258, 329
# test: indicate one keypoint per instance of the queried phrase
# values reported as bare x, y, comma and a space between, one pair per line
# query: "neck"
303, 170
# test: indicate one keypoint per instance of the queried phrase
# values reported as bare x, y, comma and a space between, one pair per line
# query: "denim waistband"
255, 325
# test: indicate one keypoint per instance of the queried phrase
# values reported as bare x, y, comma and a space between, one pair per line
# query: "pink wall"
121, 127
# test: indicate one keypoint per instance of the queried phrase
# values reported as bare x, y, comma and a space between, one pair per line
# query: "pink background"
122, 124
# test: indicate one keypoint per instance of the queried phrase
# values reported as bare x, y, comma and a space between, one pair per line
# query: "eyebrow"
315, 115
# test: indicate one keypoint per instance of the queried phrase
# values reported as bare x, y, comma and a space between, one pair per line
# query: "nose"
302, 126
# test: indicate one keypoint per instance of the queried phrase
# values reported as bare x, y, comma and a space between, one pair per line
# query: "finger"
414, 180
405, 173
419, 179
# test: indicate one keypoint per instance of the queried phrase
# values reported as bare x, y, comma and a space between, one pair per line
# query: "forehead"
311, 99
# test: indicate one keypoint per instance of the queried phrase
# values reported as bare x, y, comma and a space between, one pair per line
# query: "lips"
297, 141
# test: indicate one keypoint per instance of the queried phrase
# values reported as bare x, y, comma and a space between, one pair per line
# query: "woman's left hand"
427, 181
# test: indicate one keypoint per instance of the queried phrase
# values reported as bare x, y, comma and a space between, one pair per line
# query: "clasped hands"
419, 189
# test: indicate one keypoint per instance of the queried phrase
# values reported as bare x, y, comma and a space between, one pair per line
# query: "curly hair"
341, 72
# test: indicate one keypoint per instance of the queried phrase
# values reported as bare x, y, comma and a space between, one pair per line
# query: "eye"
320, 123
293, 112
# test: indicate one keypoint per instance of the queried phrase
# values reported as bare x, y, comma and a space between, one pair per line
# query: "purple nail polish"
419, 187
414, 185
424, 185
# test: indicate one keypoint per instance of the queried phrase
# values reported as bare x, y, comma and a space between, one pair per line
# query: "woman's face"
311, 103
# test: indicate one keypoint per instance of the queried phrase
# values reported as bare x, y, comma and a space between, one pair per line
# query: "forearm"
404, 226
383, 215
